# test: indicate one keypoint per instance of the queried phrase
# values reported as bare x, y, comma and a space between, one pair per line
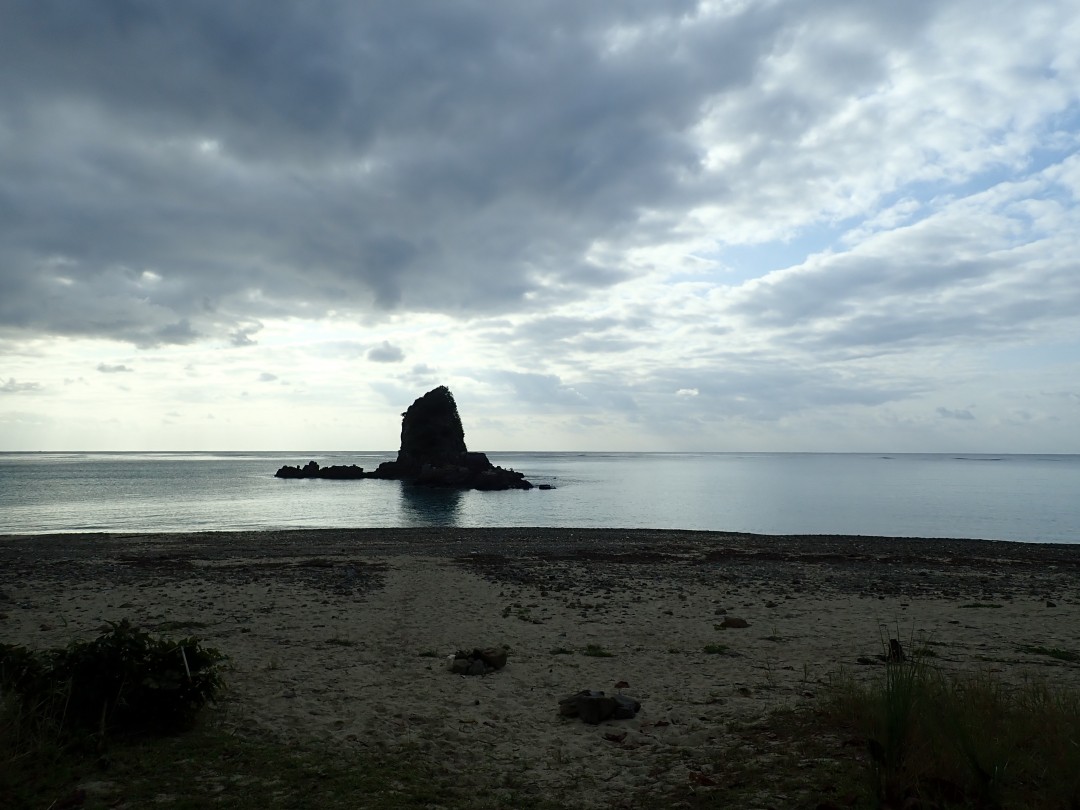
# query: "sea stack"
431, 431
433, 450
432, 453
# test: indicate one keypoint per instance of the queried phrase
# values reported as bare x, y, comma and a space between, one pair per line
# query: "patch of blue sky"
1059, 140
1061, 135
1048, 155
936, 193
739, 263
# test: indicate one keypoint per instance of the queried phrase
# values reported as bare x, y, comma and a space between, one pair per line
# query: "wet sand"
342, 635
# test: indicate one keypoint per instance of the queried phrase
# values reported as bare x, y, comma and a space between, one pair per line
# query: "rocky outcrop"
432, 453
431, 431
313, 470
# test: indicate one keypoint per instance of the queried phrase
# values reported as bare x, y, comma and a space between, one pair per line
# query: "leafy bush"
123, 680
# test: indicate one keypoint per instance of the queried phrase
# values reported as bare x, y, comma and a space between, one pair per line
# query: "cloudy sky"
837, 225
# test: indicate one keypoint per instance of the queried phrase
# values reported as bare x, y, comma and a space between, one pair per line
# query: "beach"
342, 636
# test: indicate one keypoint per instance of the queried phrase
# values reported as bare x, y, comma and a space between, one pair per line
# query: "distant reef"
432, 453
313, 470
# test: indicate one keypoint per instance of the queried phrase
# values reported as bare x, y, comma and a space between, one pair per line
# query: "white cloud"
821, 219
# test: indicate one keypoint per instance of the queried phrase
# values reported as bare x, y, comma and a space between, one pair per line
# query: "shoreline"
340, 636
850, 563
434, 536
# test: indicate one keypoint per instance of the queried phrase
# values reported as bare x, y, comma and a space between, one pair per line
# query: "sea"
1023, 498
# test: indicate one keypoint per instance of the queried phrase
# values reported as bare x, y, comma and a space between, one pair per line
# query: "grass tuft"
948, 740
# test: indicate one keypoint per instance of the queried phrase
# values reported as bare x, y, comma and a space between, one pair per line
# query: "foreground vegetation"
206, 767
209, 766
912, 737
114, 722
948, 740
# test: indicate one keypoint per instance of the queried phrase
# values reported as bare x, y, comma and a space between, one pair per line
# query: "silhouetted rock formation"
432, 453
313, 470
433, 450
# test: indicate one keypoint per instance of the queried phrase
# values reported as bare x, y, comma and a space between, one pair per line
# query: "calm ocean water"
1010, 497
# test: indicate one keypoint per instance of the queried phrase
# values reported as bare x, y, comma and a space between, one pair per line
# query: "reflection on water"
430, 506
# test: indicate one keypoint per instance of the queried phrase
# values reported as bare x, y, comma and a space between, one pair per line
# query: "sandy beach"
343, 635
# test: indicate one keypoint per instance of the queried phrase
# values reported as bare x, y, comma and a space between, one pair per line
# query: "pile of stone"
595, 707
479, 661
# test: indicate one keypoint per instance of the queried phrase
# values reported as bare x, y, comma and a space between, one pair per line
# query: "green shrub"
123, 680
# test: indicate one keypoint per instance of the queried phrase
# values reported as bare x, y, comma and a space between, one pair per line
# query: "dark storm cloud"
172, 171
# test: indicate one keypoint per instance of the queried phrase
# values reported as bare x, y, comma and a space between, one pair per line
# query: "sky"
740, 225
